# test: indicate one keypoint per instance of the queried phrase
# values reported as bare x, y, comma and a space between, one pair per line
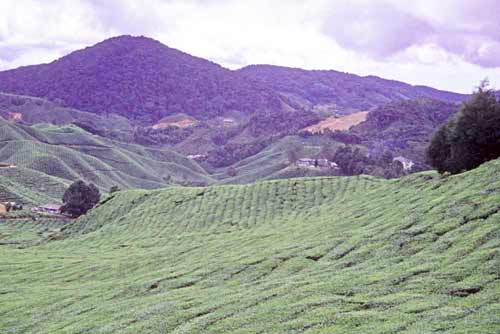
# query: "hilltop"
313, 255
144, 80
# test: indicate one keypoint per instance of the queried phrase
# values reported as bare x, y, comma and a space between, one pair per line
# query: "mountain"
320, 255
144, 80
140, 78
337, 91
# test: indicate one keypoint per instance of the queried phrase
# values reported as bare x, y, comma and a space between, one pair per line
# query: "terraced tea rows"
323, 255
70, 153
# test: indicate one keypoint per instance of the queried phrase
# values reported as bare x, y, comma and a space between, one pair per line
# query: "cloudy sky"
448, 44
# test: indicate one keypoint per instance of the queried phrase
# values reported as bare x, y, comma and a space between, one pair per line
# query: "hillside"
141, 79
419, 254
144, 80
70, 153
27, 186
405, 127
338, 92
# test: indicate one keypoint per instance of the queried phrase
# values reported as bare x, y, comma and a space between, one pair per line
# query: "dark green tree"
439, 150
80, 198
470, 139
294, 152
114, 189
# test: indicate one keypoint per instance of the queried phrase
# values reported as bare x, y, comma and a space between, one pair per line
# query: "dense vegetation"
339, 92
404, 128
79, 198
470, 138
320, 255
141, 79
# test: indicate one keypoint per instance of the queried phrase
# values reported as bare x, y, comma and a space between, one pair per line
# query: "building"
197, 157
406, 163
7, 166
305, 162
316, 163
10, 206
48, 208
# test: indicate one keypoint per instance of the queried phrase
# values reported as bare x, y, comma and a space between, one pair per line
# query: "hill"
27, 186
337, 92
405, 127
68, 152
419, 254
142, 79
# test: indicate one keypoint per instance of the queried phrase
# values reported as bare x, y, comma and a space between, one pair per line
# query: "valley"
146, 190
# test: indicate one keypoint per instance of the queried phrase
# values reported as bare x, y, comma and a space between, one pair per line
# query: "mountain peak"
140, 78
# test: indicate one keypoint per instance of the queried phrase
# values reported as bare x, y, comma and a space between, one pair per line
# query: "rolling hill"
70, 153
420, 254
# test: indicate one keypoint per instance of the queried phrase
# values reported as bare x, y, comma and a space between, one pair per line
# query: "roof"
401, 158
50, 206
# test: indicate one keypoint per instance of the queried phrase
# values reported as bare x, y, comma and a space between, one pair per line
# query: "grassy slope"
320, 255
70, 153
30, 187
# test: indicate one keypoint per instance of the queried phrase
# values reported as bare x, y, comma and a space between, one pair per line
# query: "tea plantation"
70, 153
419, 254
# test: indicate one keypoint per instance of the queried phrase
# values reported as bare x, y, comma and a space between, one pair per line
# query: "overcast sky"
448, 44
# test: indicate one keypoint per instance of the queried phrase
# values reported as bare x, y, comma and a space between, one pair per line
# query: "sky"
447, 44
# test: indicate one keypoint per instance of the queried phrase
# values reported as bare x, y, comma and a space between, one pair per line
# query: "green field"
419, 254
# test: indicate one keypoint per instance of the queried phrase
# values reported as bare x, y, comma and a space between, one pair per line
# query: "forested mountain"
338, 91
142, 79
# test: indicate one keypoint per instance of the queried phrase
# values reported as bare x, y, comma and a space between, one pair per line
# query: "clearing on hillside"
338, 123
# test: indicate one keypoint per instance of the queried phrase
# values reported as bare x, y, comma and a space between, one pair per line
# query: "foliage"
233, 152
404, 128
114, 189
294, 151
345, 92
470, 139
80, 198
141, 79
170, 135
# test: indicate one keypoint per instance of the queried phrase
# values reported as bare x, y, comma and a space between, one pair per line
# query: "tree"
439, 150
80, 198
470, 139
293, 152
327, 151
114, 189
232, 172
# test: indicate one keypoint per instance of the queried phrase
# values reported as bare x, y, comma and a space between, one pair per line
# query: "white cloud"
422, 42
